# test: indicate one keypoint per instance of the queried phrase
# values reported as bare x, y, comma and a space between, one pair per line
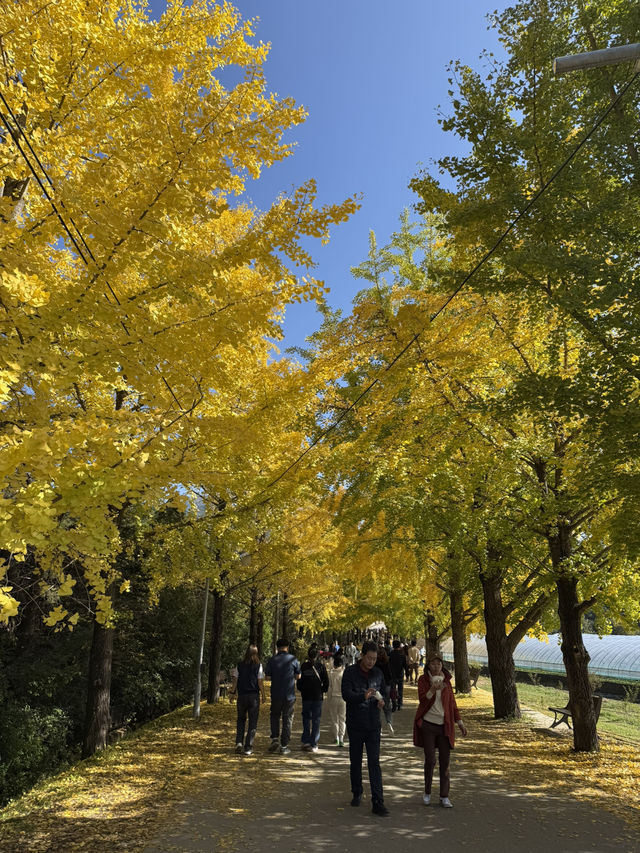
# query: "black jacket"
313, 681
362, 713
397, 663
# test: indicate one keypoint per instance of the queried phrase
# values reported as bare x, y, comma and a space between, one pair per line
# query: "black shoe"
357, 798
380, 809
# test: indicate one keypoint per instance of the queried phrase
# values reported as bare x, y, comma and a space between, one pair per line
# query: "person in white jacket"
337, 705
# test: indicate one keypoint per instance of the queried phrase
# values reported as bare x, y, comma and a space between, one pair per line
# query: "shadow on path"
306, 807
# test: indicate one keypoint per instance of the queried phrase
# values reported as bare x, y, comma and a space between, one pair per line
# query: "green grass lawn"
617, 717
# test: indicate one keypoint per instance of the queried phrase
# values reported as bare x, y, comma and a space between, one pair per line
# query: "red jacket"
451, 713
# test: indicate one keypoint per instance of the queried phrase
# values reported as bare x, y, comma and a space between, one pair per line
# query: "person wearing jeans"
248, 686
312, 684
284, 670
281, 714
434, 725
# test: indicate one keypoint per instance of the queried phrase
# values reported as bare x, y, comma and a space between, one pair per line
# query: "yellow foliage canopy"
129, 340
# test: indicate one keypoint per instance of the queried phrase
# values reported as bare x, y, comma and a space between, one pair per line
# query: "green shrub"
35, 742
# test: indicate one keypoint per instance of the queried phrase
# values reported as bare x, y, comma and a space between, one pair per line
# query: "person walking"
413, 661
397, 663
248, 686
362, 686
335, 702
383, 665
312, 684
350, 654
434, 725
284, 670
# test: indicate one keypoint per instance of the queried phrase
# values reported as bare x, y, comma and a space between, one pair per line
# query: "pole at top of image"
598, 59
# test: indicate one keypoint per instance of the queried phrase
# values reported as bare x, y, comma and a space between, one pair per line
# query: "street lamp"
598, 58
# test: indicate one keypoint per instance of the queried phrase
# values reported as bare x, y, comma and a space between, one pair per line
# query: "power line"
325, 432
18, 131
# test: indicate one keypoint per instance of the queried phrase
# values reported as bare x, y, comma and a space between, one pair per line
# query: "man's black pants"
281, 709
398, 683
359, 739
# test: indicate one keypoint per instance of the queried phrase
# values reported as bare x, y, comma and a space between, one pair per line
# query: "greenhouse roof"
615, 657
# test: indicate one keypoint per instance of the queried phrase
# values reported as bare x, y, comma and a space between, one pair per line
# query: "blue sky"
371, 76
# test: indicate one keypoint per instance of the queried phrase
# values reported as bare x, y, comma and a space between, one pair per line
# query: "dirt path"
307, 807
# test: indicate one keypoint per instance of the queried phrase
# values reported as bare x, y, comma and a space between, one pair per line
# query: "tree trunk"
501, 667
576, 662
253, 617
574, 654
431, 632
286, 627
260, 631
27, 626
276, 623
97, 718
215, 647
459, 637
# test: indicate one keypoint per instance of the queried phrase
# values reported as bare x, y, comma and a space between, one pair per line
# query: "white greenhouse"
614, 657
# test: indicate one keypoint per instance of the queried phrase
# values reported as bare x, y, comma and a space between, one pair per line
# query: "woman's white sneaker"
446, 803
426, 799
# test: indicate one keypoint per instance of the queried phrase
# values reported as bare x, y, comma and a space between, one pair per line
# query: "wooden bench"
561, 715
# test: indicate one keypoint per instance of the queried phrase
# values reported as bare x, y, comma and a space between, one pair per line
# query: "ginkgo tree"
138, 290
449, 447
570, 265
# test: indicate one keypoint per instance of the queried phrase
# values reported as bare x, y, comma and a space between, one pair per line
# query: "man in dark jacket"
283, 669
312, 684
397, 664
363, 691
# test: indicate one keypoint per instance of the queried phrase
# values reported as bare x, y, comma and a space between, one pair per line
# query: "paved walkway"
307, 809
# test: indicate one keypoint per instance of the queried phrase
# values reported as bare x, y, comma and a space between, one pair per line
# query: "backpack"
308, 677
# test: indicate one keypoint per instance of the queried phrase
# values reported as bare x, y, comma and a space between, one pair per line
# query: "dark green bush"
34, 743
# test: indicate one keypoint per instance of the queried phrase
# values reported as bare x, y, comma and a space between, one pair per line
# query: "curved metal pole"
597, 58
198, 687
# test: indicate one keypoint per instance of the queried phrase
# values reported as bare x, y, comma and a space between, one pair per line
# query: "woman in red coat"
434, 725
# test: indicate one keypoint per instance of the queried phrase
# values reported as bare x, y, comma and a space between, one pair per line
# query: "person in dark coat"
312, 684
284, 670
397, 665
362, 690
383, 665
248, 686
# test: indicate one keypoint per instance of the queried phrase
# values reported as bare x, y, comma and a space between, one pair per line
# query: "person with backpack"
312, 684
248, 687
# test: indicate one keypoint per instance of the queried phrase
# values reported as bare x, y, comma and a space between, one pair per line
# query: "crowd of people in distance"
356, 686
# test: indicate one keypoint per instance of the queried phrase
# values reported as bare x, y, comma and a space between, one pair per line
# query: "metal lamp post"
598, 59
